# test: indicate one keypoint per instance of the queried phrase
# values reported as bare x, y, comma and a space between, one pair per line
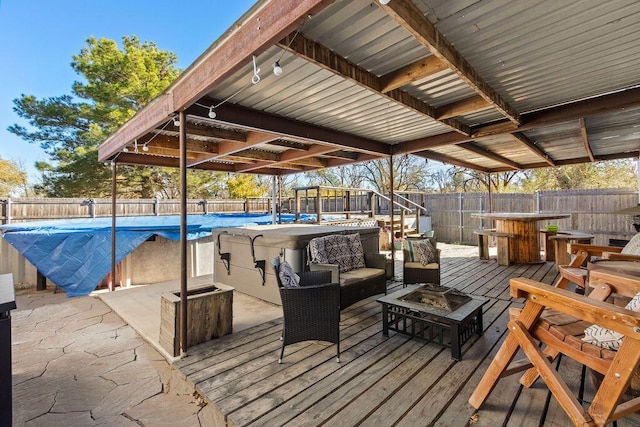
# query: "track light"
384, 1
277, 69
176, 122
125, 149
145, 147
212, 113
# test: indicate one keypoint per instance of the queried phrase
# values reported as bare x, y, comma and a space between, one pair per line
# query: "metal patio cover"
492, 85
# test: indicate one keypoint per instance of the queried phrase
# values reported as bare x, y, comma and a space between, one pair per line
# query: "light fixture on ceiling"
145, 147
176, 122
212, 112
125, 149
277, 69
384, 1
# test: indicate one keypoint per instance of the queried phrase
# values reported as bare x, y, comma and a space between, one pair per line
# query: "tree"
241, 186
609, 174
114, 85
13, 179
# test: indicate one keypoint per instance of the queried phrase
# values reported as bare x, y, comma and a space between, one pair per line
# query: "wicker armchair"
311, 311
415, 272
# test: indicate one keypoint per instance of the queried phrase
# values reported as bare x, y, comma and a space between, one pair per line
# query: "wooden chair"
575, 272
311, 311
560, 330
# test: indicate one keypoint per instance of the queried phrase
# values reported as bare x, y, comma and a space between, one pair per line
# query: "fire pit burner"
437, 296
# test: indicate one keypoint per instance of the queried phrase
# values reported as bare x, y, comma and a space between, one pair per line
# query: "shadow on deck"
380, 381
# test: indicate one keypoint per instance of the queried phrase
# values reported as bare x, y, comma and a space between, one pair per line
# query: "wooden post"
391, 196
114, 188
183, 233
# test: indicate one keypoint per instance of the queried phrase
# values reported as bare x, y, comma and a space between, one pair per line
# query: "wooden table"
561, 239
525, 247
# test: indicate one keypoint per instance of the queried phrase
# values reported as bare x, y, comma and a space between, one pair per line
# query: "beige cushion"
605, 337
355, 276
415, 264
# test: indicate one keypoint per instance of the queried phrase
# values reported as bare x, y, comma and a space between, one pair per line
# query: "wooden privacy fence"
589, 210
34, 209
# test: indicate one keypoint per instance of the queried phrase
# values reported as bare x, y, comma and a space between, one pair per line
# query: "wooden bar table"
525, 246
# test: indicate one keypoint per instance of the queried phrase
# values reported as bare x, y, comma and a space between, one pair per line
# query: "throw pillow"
357, 251
288, 278
424, 252
633, 247
317, 252
605, 337
337, 250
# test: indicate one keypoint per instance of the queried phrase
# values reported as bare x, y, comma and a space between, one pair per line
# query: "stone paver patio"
76, 363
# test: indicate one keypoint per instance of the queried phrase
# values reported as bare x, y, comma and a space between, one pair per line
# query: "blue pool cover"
75, 254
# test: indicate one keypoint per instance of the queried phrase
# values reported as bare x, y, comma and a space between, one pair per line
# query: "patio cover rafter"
407, 15
329, 60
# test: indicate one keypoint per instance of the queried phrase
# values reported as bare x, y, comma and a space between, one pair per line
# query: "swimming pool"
75, 254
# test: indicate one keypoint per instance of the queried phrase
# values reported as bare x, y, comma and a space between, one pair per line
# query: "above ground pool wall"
152, 262
159, 260
288, 241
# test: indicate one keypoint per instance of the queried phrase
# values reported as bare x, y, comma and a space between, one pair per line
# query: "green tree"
241, 186
607, 174
115, 84
13, 179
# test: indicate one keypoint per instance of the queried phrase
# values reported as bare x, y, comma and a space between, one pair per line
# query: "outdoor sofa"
359, 274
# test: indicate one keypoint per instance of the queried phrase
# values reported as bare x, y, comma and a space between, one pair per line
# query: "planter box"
209, 316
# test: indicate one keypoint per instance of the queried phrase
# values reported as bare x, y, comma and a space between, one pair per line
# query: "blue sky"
39, 37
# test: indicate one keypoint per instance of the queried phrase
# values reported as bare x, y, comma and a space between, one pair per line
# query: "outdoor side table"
448, 328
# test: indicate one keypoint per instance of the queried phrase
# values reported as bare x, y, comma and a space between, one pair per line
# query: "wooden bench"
503, 244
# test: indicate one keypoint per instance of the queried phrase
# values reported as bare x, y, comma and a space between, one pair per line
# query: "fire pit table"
433, 313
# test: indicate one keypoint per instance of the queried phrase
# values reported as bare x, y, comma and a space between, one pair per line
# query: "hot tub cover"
75, 254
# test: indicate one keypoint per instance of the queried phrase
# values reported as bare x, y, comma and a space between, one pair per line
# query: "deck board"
380, 380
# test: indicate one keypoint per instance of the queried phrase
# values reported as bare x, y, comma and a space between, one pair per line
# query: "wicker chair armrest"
310, 278
375, 260
333, 268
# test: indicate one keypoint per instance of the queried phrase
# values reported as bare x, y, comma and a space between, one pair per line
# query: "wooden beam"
248, 119
205, 131
566, 113
428, 154
541, 118
290, 144
362, 157
534, 148
258, 30
464, 106
405, 13
585, 139
470, 146
172, 142
421, 144
329, 60
169, 162
420, 69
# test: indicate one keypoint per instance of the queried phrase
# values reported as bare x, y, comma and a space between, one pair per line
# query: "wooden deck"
381, 381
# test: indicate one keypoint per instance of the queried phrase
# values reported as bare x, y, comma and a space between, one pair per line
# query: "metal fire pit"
437, 296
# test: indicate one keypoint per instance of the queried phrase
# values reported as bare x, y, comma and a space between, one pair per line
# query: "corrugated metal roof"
534, 55
542, 53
